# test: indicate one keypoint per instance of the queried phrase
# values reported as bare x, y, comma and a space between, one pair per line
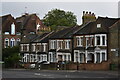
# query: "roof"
7, 20
43, 38
28, 38
80, 48
65, 33
28, 22
91, 28
65, 51
39, 37
52, 50
91, 49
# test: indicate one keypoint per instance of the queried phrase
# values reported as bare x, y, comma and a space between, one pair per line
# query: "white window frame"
101, 43
52, 44
6, 39
21, 47
12, 42
78, 38
102, 51
33, 47
67, 45
59, 46
13, 28
98, 25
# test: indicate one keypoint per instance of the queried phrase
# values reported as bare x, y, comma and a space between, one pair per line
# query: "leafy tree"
11, 56
57, 17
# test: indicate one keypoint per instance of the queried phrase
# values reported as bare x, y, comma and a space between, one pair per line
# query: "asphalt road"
14, 74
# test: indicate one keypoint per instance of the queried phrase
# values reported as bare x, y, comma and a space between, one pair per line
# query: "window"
68, 57
87, 41
67, 44
6, 42
33, 47
6, 32
18, 41
13, 29
52, 44
24, 47
32, 32
98, 40
98, 57
18, 33
65, 58
98, 25
91, 41
79, 40
38, 26
81, 57
76, 56
12, 42
60, 44
103, 40
50, 56
103, 56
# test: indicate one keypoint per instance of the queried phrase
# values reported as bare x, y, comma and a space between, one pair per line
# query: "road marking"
37, 74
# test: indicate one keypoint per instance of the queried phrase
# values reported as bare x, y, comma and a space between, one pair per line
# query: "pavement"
15, 74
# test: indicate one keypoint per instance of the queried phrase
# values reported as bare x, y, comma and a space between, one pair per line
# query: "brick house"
34, 48
60, 45
91, 42
10, 31
114, 41
31, 24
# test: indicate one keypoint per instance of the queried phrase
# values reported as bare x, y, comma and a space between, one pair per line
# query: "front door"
59, 57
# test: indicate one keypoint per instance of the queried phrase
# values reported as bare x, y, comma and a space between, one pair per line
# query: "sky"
103, 9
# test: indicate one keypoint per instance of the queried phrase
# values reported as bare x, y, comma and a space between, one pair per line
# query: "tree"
57, 17
11, 56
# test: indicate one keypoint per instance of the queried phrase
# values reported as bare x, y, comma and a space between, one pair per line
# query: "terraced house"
91, 42
60, 45
88, 46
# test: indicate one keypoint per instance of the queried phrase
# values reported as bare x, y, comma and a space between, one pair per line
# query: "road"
53, 74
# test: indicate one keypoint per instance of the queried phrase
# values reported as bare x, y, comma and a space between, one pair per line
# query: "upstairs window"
67, 44
52, 44
98, 40
79, 41
13, 29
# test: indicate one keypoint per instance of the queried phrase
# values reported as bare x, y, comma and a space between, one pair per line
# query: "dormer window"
98, 25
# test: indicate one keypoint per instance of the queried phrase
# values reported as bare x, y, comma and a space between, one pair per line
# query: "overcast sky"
109, 9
